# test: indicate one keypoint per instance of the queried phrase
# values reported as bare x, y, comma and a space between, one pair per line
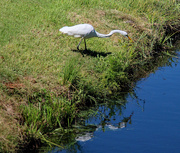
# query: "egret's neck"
110, 34
100, 35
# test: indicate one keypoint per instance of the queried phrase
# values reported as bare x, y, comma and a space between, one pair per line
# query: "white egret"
86, 31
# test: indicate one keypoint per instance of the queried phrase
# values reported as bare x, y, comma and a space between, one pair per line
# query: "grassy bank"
44, 81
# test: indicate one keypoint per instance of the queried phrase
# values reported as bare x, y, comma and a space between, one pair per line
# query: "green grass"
40, 72
44, 114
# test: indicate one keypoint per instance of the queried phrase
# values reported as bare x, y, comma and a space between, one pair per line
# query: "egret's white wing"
80, 30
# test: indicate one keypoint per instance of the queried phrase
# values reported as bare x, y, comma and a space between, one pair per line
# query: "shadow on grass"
92, 53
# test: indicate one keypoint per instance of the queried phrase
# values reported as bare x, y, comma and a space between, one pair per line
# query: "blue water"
154, 119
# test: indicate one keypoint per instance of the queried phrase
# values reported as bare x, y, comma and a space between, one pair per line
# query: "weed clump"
71, 72
46, 112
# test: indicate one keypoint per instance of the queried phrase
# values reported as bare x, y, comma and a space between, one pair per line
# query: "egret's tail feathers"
64, 29
69, 31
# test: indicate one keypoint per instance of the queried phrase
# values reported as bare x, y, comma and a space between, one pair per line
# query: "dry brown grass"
9, 126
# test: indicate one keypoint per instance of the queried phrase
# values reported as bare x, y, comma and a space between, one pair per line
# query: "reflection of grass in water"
83, 131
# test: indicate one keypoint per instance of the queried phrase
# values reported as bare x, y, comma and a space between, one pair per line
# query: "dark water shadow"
92, 53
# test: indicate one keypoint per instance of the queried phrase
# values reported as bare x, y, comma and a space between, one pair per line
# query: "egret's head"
124, 33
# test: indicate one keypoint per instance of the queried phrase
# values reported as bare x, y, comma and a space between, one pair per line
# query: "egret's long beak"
129, 38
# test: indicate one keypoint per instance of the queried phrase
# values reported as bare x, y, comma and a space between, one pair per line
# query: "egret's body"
86, 31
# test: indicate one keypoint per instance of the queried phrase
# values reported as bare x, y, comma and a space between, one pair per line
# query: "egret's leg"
85, 44
79, 43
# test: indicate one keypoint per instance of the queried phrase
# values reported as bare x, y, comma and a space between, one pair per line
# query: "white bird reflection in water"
89, 135
85, 137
